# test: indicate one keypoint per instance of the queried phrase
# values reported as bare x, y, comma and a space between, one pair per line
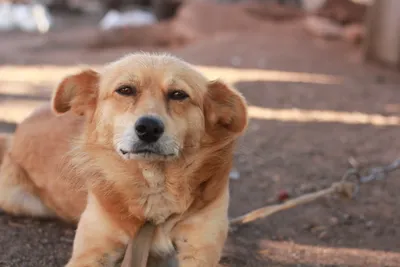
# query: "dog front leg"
98, 241
200, 238
201, 246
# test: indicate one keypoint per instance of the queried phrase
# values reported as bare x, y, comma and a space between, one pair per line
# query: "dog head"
152, 107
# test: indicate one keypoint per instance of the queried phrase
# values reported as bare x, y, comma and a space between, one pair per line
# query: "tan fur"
69, 165
5, 143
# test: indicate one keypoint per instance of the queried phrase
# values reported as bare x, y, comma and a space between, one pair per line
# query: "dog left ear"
77, 93
225, 108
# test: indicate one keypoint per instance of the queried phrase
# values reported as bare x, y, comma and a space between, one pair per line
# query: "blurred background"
322, 81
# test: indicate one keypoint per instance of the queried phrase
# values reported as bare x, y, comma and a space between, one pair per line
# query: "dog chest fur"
158, 202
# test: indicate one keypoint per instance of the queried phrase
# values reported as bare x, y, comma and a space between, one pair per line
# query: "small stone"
348, 219
369, 224
318, 228
308, 226
306, 188
334, 221
323, 235
234, 174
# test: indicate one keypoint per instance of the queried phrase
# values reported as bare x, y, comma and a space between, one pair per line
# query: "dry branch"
344, 188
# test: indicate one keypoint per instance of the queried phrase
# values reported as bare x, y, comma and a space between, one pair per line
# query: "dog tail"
5, 142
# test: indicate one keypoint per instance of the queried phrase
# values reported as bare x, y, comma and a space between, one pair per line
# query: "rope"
345, 188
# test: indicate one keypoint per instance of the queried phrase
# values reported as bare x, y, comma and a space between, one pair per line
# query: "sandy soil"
342, 107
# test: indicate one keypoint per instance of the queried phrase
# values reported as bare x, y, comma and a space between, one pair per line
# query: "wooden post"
382, 42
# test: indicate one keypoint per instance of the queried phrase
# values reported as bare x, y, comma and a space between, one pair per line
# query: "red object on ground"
283, 195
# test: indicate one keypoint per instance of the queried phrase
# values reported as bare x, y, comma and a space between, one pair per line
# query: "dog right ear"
77, 93
225, 109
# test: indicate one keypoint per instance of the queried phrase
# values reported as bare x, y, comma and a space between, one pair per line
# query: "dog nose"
149, 129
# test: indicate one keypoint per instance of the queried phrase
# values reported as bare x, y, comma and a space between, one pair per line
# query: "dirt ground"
351, 111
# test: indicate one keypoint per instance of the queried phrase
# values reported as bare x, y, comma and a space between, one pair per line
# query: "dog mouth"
146, 152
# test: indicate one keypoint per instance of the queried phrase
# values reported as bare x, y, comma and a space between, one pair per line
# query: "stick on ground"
343, 188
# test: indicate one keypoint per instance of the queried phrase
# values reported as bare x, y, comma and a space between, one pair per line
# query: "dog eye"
177, 95
126, 90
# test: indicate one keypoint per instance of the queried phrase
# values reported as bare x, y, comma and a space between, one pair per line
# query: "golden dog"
147, 138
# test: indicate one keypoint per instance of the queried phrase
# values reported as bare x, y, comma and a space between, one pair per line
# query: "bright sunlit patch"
14, 111
233, 75
301, 115
37, 75
291, 253
24, 89
53, 74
